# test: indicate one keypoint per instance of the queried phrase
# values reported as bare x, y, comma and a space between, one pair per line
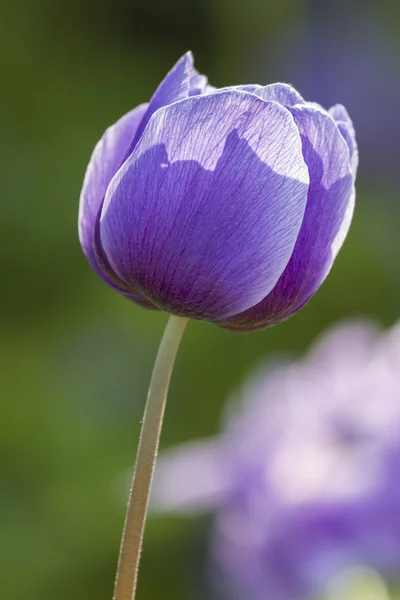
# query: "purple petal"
105, 161
346, 128
252, 88
204, 215
113, 149
198, 84
283, 93
175, 86
327, 218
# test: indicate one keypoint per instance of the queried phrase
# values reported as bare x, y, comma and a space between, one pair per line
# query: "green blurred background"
75, 356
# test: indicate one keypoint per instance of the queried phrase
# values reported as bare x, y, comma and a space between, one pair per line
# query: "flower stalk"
132, 536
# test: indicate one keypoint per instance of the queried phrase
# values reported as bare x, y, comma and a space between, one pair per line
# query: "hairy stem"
132, 536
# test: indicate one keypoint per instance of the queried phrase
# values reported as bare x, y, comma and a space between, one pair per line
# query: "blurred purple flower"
227, 205
304, 479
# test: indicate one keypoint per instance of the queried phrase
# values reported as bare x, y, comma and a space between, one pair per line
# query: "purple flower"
228, 205
304, 479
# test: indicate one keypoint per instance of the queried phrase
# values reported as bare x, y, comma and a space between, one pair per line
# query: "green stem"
132, 536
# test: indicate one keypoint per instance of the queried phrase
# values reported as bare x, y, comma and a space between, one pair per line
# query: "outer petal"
346, 128
203, 217
328, 214
104, 163
175, 86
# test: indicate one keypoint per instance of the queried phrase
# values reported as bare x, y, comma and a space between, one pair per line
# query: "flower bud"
226, 205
